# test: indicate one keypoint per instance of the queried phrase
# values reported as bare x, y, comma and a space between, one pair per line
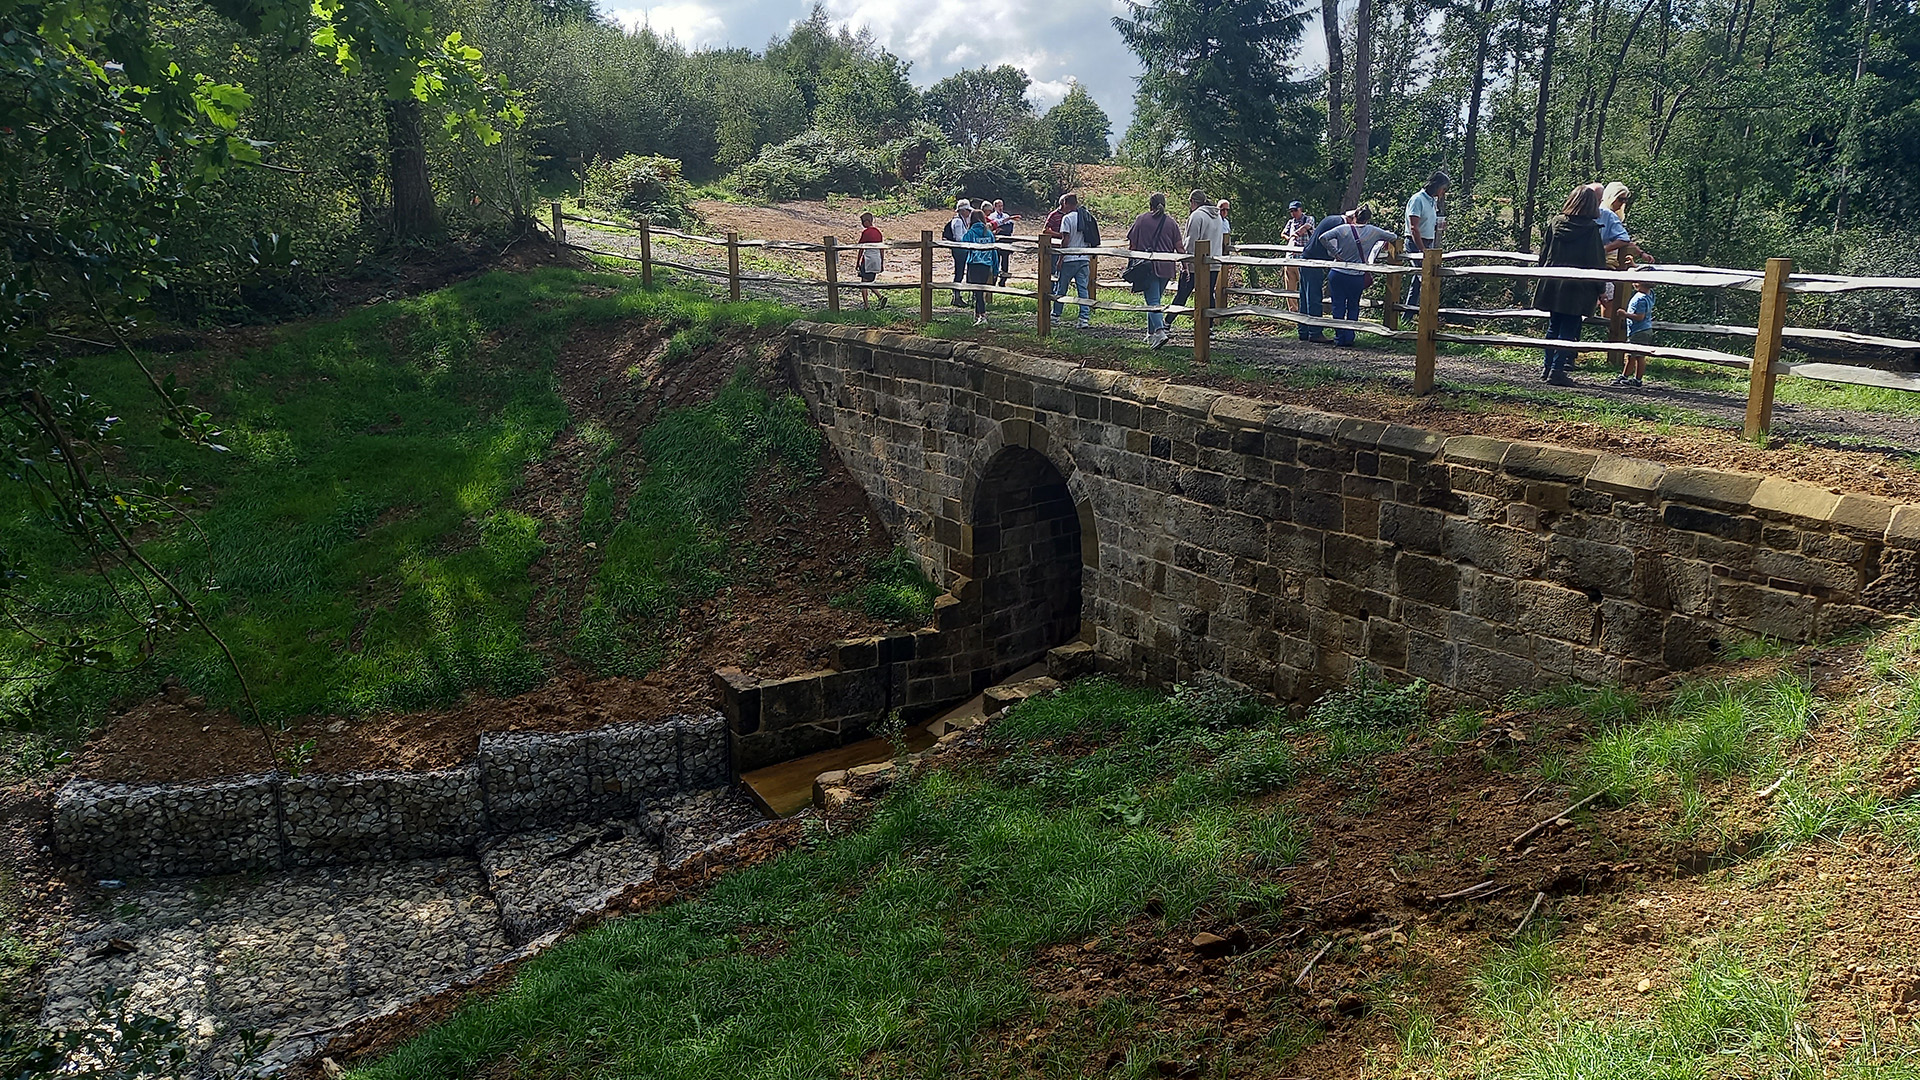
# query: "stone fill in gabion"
518, 781
543, 878
166, 829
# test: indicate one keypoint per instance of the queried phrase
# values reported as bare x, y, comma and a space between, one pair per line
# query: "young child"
1639, 331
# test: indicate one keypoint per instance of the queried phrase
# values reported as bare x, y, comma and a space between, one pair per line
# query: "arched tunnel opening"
1027, 558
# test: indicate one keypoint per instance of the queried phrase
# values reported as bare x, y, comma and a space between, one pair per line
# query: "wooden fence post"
1766, 347
1203, 297
733, 265
1222, 283
646, 253
1093, 278
1043, 292
1390, 312
1617, 313
559, 226
926, 276
1426, 348
833, 274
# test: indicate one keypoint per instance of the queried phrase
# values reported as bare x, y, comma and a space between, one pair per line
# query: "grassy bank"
362, 546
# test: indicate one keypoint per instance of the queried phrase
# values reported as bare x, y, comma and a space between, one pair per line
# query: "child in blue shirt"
1639, 331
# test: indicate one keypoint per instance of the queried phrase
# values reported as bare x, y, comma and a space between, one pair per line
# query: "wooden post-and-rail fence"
1218, 298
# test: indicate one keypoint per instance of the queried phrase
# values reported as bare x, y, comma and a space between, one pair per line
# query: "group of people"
1589, 233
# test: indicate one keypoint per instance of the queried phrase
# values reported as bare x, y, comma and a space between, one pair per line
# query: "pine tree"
1220, 71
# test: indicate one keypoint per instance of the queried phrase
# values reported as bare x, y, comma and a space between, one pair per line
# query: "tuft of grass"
1711, 730
897, 589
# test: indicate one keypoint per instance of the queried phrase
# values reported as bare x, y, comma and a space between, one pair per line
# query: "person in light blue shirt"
982, 263
1639, 331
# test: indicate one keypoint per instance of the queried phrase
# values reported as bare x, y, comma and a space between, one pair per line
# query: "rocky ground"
293, 957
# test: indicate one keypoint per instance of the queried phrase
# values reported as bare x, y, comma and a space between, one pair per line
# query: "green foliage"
641, 187
672, 545
809, 166
979, 105
1711, 729
897, 589
1080, 127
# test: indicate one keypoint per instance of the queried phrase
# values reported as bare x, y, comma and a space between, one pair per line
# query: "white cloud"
694, 25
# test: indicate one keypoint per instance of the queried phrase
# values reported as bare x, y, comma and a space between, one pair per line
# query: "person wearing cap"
957, 228
1295, 234
1423, 226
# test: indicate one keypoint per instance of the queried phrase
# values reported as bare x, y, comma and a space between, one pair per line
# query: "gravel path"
1281, 353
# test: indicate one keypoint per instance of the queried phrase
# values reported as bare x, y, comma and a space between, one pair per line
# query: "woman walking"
1572, 241
870, 260
1155, 230
982, 263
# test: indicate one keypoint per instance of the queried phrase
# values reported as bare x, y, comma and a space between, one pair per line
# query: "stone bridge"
1181, 530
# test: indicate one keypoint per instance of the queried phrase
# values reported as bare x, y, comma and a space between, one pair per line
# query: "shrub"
649, 187
811, 165
897, 590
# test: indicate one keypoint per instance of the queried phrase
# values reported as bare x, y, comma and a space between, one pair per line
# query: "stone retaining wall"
517, 781
1282, 547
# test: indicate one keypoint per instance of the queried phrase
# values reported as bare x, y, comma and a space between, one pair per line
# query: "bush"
812, 165
994, 172
649, 187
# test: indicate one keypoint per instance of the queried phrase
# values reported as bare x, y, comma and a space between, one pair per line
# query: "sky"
1054, 41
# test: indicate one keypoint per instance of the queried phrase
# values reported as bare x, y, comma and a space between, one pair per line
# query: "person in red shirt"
870, 261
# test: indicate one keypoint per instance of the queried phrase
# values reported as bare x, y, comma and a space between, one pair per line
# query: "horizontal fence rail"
1234, 301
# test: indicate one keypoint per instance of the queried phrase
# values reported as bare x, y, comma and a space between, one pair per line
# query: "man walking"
1202, 224
1423, 226
1156, 230
1072, 268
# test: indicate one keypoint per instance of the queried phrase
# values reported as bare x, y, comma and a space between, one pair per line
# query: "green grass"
359, 547
897, 590
900, 949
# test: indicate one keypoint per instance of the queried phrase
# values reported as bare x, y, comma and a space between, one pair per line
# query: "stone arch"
1027, 554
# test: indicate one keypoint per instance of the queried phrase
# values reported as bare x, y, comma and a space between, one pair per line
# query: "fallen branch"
1541, 827
1459, 894
1538, 899
1300, 981
1378, 934
1767, 792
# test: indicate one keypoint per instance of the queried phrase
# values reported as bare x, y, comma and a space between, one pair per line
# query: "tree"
977, 104
815, 50
871, 102
1219, 71
1080, 126
1362, 103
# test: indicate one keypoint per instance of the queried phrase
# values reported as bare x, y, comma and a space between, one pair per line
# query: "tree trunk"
1470, 156
1659, 97
1336, 79
1853, 120
1362, 102
1613, 83
1595, 28
414, 212
1537, 158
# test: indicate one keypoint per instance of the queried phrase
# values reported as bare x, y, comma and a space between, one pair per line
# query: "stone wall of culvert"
1283, 548
516, 781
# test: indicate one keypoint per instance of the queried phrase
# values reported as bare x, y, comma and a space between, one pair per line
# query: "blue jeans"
1071, 273
1312, 280
1154, 290
1565, 326
1346, 289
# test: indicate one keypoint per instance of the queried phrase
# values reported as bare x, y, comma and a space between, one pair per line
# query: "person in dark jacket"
1573, 240
1313, 279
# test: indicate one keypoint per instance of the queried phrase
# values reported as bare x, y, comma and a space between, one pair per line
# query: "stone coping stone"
1621, 477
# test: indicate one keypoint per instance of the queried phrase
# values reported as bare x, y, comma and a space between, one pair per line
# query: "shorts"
1641, 337
869, 275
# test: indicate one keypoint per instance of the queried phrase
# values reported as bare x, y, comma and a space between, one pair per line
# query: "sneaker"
1159, 339
883, 299
1084, 324
1624, 380
1636, 383
1561, 378
979, 320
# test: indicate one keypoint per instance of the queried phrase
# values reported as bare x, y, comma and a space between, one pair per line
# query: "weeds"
897, 590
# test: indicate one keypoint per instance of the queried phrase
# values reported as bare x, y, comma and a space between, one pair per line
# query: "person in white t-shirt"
1423, 226
1070, 268
957, 228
